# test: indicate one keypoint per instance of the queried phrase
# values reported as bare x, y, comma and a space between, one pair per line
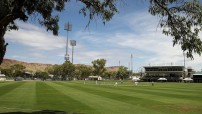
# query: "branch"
169, 15
6, 20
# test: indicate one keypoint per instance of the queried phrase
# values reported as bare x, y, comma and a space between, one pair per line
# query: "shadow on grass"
42, 112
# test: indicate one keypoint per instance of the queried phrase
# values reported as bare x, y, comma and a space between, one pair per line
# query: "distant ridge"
40, 66
29, 66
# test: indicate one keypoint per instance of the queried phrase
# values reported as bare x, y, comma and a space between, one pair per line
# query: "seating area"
171, 73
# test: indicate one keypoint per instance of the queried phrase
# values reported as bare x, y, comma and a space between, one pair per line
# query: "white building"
95, 78
2, 77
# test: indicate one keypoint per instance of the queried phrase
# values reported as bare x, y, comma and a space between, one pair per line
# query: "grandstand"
171, 73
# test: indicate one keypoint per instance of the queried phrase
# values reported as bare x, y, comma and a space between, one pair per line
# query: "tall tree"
85, 71
122, 73
110, 74
99, 66
182, 20
7, 72
42, 75
67, 70
17, 70
11, 10
57, 72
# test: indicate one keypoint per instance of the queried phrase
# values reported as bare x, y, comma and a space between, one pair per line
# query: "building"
197, 77
171, 73
2, 77
95, 78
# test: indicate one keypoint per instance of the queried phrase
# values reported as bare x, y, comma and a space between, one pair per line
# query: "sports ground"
79, 97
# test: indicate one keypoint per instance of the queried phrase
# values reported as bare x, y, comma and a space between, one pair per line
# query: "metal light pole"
73, 43
68, 27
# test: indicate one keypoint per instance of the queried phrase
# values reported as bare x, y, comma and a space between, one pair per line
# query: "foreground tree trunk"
2, 43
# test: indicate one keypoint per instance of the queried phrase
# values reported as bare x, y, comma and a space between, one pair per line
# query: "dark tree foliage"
17, 70
42, 75
84, 71
181, 19
122, 73
67, 69
11, 10
99, 67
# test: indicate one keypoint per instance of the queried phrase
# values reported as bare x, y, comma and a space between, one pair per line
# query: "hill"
39, 66
29, 66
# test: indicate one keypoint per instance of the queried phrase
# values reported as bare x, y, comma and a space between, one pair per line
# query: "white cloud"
151, 39
34, 37
154, 47
141, 37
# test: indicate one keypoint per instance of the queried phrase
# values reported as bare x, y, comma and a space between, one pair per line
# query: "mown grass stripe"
3, 83
190, 97
179, 87
166, 102
100, 103
164, 96
195, 87
75, 96
157, 90
133, 101
20, 98
49, 98
10, 87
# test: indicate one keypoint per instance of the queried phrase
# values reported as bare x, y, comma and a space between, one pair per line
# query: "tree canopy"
17, 70
180, 19
122, 73
67, 70
11, 10
99, 66
84, 71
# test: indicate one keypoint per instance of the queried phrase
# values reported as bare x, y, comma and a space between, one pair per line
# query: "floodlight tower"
73, 43
68, 27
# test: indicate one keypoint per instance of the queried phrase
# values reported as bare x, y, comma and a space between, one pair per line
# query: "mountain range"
29, 66
37, 66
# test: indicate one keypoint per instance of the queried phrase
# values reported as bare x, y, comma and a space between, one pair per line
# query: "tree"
99, 66
43, 11
182, 20
42, 75
84, 71
57, 72
67, 69
49, 70
110, 74
7, 72
17, 70
122, 73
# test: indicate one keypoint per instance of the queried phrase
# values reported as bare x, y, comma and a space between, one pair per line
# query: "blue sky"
132, 31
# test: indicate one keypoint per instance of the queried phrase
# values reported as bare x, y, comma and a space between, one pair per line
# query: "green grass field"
105, 98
